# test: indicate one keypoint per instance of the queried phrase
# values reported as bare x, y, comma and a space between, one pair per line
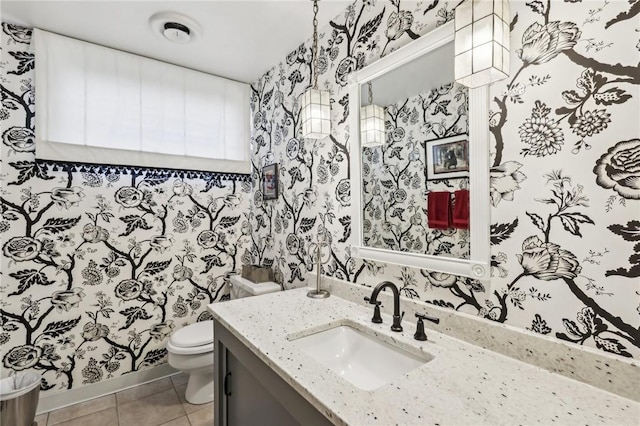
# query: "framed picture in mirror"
270, 182
447, 158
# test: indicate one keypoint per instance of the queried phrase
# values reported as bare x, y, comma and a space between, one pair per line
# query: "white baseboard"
65, 398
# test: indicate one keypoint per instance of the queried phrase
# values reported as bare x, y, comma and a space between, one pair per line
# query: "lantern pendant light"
315, 114
481, 42
372, 123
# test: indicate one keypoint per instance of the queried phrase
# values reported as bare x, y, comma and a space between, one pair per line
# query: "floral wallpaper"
394, 182
100, 264
564, 176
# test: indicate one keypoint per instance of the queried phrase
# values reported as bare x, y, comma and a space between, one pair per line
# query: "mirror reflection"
414, 187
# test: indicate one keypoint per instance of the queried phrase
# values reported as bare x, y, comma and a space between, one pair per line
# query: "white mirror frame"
478, 264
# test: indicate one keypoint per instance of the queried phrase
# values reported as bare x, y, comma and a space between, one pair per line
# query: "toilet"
191, 348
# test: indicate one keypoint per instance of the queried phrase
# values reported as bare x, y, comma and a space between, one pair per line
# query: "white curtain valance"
100, 105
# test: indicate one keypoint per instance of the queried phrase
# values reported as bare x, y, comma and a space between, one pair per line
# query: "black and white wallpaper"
101, 264
394, 182
565, 173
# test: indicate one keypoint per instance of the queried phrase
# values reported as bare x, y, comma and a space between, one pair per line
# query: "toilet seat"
193, 339
194, 350
196, 334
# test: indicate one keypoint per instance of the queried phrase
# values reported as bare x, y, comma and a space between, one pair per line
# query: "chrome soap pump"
318, 293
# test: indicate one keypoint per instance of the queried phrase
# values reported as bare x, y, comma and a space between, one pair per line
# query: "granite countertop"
463, 385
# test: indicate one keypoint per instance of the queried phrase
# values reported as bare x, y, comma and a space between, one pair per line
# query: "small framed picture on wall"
270, 182
447, 158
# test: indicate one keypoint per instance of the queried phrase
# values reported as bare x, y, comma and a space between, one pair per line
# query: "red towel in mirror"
461, 209
439, 210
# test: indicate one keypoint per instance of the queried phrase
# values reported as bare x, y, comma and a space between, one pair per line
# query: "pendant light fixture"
481, 42
315, 114
372, 123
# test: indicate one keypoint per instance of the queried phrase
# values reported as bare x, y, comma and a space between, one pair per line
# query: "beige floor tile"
143, 390
41, 420
81, 409
182, 421
188, 407
202, 417
179, 379
108, 417
152, 410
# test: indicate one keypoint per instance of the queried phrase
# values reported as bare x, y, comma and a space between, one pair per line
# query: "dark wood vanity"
248, 392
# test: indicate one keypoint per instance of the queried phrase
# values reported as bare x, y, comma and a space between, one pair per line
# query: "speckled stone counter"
463, 385
601, 369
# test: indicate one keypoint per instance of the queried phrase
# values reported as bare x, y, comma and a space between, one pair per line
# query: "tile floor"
157, 403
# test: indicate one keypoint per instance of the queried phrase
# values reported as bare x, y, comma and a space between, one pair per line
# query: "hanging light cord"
315, 44
370, 93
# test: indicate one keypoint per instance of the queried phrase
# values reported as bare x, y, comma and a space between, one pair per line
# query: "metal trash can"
19, 399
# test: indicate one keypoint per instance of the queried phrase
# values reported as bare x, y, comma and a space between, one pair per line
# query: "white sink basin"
363, 360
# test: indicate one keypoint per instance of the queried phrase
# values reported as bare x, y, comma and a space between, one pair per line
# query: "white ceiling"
241, 39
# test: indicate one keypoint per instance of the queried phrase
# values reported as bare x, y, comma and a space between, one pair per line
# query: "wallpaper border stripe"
53, 165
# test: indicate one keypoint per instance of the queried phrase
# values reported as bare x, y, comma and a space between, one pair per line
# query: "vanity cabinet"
248, 392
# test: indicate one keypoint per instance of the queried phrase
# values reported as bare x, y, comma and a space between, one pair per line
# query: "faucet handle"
377, 302
420, 334
428, 318
376, 311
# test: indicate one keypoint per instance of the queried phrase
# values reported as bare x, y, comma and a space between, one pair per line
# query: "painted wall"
100, 264
394, 182
565, 177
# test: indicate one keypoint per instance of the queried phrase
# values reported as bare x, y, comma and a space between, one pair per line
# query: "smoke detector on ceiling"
175, 27
176, 32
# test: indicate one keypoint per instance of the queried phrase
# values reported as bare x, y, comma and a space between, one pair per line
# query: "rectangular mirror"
430, 155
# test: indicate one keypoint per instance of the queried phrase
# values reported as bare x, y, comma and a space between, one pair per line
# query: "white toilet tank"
242, 287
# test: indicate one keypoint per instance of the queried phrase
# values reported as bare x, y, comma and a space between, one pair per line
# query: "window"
104, 106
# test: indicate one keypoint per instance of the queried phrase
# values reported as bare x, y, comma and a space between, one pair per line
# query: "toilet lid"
197, 334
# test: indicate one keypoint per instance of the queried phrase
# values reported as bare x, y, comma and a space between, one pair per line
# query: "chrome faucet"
373, 300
